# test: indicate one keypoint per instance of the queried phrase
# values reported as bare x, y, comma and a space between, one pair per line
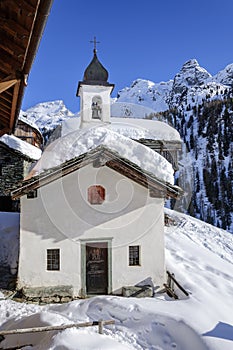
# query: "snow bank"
23, 147
81, 141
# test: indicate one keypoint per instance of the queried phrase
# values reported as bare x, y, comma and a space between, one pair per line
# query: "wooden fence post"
101, 326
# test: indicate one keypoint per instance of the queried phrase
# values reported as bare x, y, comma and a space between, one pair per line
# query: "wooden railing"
100, 324
170, 286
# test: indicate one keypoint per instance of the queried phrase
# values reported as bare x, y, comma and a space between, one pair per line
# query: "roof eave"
38, 29
107, 157
94, 83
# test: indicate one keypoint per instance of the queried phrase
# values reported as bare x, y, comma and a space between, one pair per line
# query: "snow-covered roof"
144, 129
132, 128
23, 118
21, 146
81, 141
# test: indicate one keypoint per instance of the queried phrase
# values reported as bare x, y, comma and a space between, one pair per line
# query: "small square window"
96, 194
134, 255
53, 259
32, 194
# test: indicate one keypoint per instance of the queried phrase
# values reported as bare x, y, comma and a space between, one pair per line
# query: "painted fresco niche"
96, 107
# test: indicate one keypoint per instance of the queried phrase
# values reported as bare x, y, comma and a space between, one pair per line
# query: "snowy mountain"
192, 83
47, 116
225, 76
148, 94
200, 107
199, 255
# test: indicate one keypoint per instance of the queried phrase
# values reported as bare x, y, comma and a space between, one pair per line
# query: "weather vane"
95, 42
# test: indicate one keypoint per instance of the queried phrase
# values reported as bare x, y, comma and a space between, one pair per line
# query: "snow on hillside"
130, 110
147, 93
192, 82
201, 321
225, 76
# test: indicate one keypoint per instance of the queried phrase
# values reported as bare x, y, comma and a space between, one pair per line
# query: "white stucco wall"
86, 93
61, 217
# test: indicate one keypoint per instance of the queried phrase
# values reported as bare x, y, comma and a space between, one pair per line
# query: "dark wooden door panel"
97, 268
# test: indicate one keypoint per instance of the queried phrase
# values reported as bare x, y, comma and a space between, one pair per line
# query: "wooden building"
21, 27
29, 132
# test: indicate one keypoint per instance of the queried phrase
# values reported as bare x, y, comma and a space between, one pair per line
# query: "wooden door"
97, 268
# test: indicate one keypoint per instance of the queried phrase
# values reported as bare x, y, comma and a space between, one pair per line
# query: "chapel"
92, 208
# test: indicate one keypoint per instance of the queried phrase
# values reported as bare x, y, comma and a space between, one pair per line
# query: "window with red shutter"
96, 194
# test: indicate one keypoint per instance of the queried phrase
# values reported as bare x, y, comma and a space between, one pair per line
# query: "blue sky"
148, 39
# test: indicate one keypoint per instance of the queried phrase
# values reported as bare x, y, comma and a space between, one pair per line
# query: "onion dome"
95, 73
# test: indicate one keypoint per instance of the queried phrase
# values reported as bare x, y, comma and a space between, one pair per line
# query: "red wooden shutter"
96, 194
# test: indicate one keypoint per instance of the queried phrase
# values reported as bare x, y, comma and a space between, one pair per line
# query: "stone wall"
13, 168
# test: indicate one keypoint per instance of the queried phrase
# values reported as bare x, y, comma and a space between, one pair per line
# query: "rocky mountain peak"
191, 74
225, 76
192, 63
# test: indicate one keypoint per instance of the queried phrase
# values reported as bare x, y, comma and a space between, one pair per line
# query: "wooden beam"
9, 93
4, 131
31, 35
5, 98
4, 109
14, 28
14, 104
25, 6
39, 25
10, 63
5, 85
10, 45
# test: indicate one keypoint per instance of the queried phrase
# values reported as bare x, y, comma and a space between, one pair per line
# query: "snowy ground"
199, 254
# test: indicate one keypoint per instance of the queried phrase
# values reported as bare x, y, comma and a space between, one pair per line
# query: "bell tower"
94, 92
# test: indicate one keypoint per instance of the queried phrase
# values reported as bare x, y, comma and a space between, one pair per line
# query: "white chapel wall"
60, 217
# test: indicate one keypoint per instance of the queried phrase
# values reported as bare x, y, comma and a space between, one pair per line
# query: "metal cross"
94, 42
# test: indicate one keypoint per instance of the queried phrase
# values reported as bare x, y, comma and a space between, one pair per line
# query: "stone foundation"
46, 295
